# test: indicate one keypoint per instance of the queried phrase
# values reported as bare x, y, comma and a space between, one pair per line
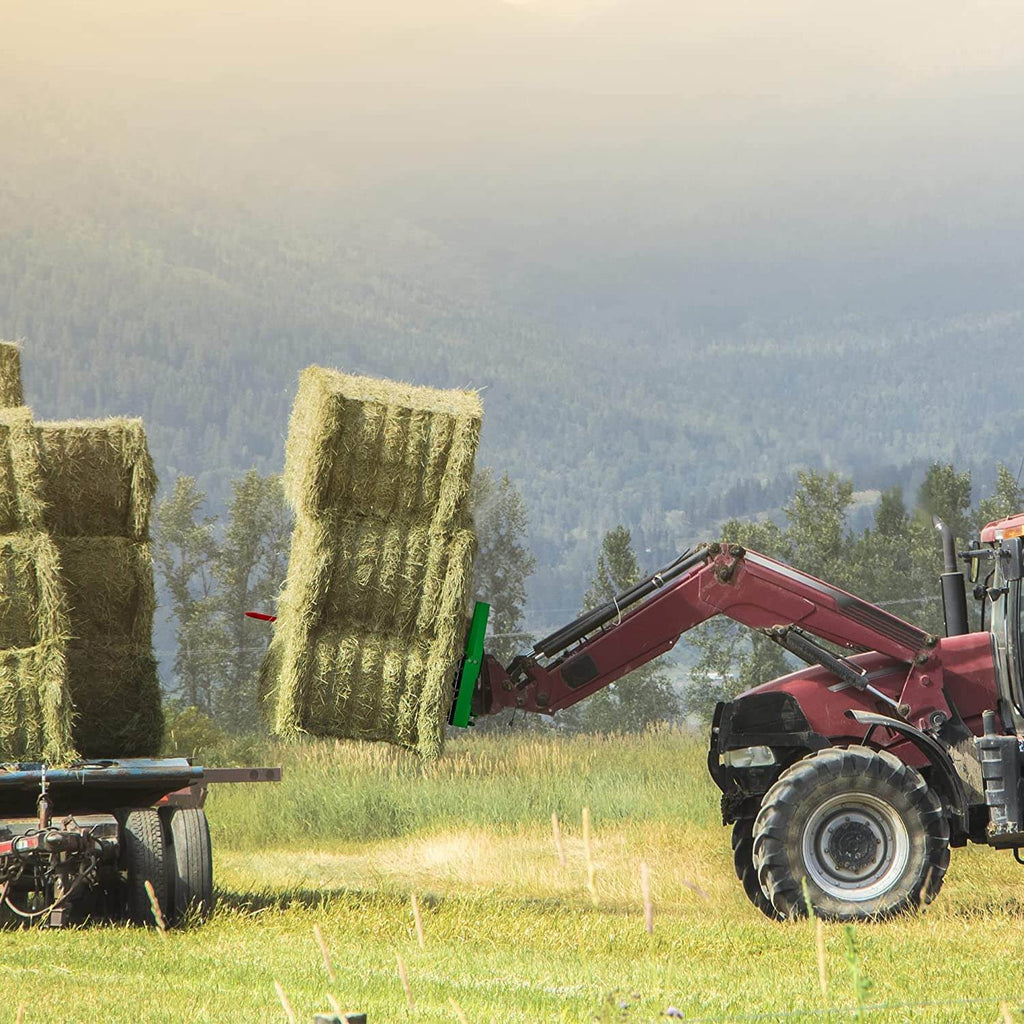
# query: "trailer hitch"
53, 840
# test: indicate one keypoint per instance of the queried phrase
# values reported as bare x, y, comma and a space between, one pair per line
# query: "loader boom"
793, 608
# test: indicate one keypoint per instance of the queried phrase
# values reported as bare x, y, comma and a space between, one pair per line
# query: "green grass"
510, 934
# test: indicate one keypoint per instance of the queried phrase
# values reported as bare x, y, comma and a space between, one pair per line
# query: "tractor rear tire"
860, 828
189, 864
743, 862
144, 859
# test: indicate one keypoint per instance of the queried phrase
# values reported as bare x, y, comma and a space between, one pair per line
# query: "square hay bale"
9, 511
377, 448
99, 479
35, 703
116, 694
373, 615
111, 673
23, 569
35, 708
11, 393
22, 725
380, 687
110, 591
91, 485
22, 502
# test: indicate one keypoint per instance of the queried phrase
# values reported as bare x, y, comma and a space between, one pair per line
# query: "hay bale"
380, 687
376, 448
36, 707
35, 711
11, 393
22, 498
112, 677
372, 618
116, 693
99, 479
110, 591
77, 671
22, 572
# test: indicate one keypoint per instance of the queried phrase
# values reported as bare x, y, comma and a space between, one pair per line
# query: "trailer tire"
144, 858
743, 862
189, 864
860, 828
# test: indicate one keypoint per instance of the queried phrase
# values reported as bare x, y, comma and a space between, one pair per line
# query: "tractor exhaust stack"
954, 594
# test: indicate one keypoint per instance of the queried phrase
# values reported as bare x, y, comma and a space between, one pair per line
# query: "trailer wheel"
860, 827
190, 864
743, 862
144, 859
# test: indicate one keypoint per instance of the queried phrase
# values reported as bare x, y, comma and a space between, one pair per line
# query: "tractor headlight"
748, 757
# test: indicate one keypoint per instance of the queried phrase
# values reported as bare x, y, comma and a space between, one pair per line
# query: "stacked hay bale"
371, 622
77, 674
35, 705
99, 485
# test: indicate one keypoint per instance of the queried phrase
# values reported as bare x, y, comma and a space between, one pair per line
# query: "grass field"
510, 934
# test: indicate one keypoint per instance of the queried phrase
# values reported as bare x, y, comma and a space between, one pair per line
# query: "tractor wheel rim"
855, 847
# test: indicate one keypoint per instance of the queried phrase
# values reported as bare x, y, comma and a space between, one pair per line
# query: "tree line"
214, 572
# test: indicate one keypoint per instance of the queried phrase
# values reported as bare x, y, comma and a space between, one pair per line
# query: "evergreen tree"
503, 562
249, 569
500, 573
646, 695
883, 568
1006, 500
816, 531
185, 551
947, 494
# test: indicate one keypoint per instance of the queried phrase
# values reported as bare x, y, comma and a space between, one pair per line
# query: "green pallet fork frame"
462, 706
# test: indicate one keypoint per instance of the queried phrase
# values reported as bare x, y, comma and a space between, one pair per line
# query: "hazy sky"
598, 147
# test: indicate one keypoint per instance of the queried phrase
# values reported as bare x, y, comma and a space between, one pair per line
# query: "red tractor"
847, 782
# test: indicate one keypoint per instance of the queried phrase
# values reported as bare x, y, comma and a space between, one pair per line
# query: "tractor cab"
996, 569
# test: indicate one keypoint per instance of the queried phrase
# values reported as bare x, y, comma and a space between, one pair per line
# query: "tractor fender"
945, 778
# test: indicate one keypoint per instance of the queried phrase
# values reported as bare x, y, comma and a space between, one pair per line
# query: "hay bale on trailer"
99, 479
99, 484
112, 674
116, 693
35, 703
77, 674
372, 618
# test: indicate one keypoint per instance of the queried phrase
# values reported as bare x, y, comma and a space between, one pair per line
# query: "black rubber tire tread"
743, 862
190, 864
778, 828
144, 847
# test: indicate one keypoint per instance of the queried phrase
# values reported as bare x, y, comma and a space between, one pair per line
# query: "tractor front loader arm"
789, 606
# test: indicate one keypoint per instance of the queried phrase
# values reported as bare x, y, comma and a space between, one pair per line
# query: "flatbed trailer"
124, 838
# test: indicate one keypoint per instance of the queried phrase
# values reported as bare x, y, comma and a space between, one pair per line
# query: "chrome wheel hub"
855, 846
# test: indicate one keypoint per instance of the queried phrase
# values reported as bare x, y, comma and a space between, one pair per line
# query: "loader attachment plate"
461, 714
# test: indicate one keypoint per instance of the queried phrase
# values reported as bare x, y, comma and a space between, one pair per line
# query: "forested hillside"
198, 315
643, 362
